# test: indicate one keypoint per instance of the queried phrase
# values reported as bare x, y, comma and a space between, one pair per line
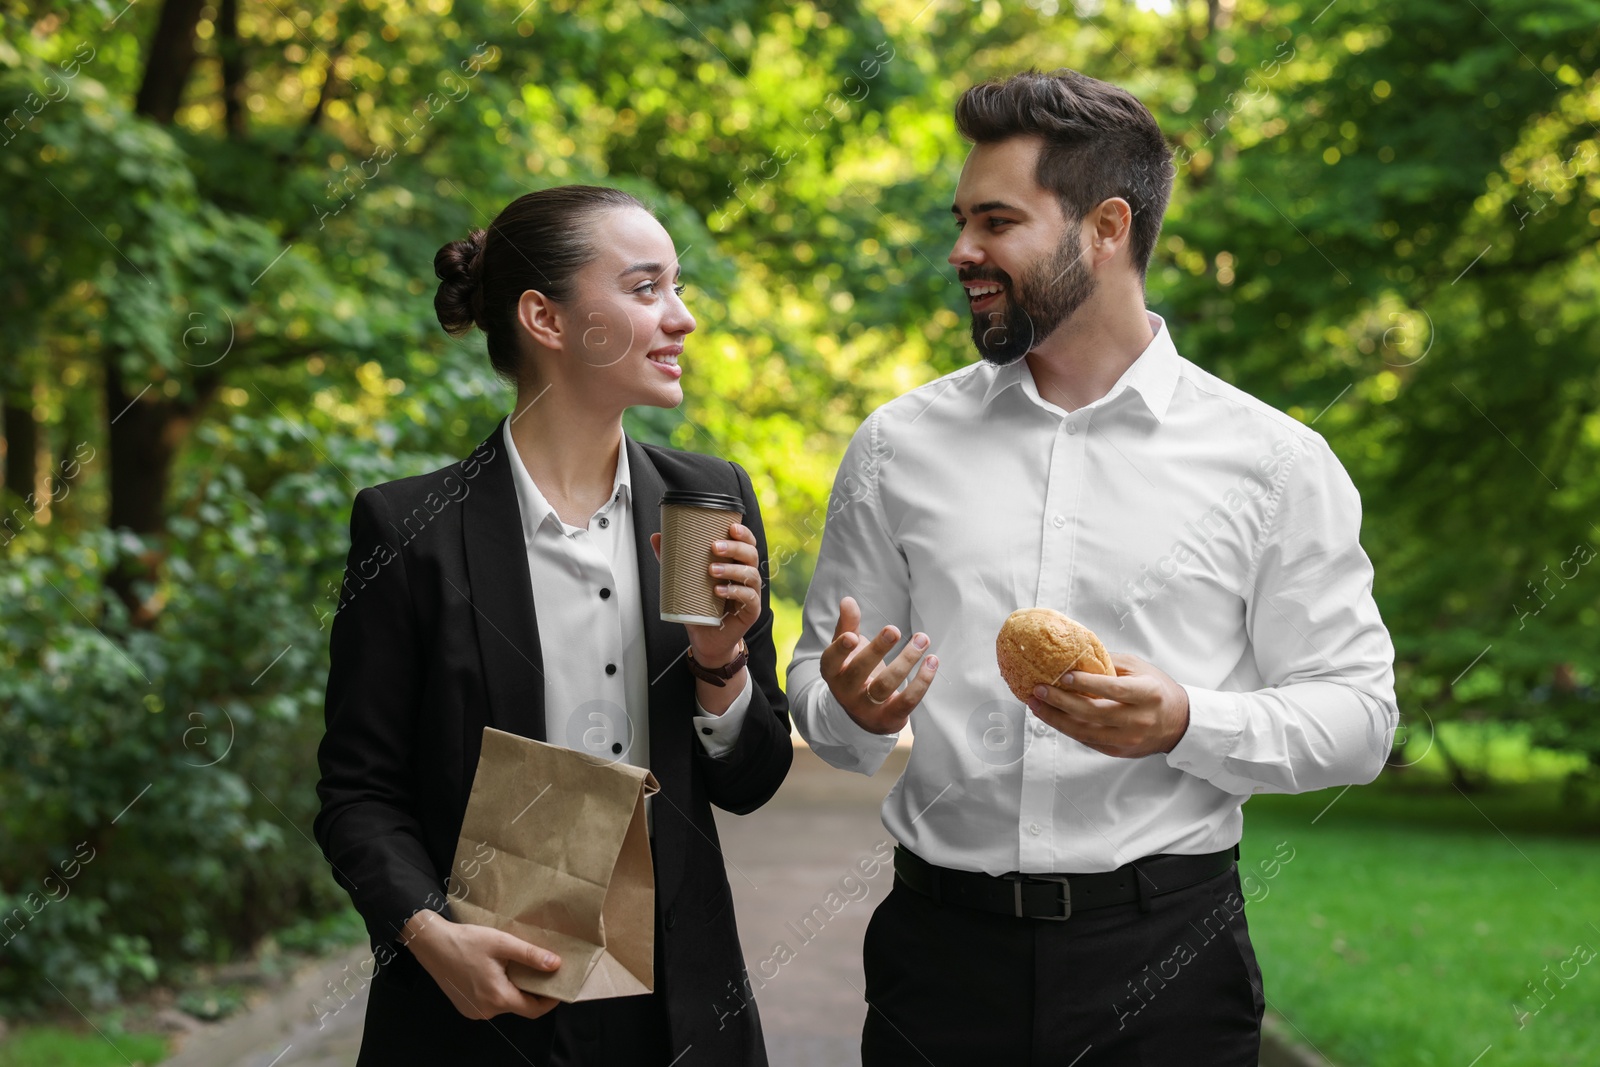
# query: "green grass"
1412, 918
53, 1046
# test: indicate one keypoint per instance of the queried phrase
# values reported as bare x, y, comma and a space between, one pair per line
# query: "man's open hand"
1140, 712
865, 686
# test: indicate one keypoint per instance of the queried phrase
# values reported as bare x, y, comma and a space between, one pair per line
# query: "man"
1066, 891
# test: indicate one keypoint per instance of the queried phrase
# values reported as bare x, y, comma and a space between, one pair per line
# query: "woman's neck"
569, 449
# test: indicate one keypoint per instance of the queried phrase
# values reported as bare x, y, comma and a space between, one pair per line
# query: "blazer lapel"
502, 596
665, 644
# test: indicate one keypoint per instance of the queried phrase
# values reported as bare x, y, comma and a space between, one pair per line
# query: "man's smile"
982, 294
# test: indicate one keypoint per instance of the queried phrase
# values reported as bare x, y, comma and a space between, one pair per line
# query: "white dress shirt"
591, 626
1182, 520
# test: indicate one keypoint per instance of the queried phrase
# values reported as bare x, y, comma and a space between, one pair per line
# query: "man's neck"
1083, 357
569, 450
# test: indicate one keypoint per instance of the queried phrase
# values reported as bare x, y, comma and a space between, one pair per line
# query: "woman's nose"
678, 319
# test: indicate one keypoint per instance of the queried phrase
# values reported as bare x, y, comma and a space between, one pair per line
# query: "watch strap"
718, 676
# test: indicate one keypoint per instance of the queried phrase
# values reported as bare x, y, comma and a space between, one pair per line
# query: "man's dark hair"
1099, 142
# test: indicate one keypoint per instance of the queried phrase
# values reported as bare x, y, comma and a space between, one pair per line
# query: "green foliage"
1404, 206
318, 934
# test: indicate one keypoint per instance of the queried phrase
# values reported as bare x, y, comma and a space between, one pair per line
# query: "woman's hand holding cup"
736, 568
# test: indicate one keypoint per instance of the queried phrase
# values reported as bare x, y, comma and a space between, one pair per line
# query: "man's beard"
1048, 293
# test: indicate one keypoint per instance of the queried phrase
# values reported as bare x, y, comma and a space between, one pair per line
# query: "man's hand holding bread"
1116, 704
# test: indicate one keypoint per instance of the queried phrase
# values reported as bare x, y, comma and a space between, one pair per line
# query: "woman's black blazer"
435, 638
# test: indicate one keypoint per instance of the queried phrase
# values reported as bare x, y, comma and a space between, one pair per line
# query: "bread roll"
1037, 645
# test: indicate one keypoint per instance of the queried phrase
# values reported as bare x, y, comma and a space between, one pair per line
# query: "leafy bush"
160, 782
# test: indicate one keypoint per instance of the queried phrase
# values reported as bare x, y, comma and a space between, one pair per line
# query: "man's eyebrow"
986, 206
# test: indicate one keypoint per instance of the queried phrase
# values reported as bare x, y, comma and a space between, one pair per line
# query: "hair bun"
459, 267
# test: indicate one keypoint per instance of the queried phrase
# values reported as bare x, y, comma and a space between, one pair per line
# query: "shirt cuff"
719, 733
1216, 723
860, 748
852, 732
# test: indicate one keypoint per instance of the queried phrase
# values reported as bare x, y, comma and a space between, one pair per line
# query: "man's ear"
1108, 229
542, 318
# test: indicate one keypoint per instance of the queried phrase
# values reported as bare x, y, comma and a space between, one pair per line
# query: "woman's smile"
666, 357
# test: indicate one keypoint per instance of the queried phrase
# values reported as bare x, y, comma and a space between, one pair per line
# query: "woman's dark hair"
1099, 142
540, 241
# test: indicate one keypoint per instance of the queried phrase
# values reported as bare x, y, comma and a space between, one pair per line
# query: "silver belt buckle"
1059, 879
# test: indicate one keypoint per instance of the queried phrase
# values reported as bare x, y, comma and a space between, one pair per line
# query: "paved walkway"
802, 947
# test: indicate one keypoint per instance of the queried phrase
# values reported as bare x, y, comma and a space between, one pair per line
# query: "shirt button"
605, 594
1041, 728
604, 522
1060, 521
1072, 427
616, 746
706, 730
611, 668
1035, 829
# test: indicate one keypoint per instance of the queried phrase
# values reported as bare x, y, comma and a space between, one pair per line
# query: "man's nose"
965, 251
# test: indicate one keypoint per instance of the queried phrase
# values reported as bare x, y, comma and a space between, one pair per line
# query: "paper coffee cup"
690, 522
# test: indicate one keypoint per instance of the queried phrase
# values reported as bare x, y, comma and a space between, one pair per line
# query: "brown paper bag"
554, 849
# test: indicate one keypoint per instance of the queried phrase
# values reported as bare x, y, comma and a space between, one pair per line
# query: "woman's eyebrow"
650, 268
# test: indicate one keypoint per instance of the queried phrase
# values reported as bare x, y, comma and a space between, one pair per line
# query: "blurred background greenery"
217, 326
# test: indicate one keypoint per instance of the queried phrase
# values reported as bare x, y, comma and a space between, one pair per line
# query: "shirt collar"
533, 506
1152, 377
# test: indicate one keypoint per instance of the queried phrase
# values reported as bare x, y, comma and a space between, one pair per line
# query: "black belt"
1057, 896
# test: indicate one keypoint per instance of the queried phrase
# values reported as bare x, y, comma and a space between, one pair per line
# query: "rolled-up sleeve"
1328, 713
858, 558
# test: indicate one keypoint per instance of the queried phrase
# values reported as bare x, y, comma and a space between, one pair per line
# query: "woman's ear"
542, 318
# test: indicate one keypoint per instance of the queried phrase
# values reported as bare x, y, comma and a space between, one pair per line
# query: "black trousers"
1109, 987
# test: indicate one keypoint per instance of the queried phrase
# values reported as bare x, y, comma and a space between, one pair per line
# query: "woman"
519, 589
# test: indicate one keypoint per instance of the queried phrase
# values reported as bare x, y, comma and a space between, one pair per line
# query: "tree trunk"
168, 60
146, 430
146, 433
229, 47
22, 445
1458, 773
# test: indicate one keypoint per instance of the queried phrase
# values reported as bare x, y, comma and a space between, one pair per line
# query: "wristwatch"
718, 676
